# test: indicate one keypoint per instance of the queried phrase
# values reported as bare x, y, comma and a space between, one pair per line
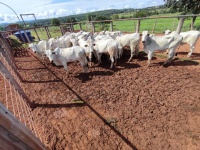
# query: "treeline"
112, 14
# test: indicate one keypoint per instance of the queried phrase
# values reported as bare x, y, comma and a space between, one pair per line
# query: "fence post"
47, 31
61, 29
137, 30
80, 25
154, 26
192, 24
180, 24
111, 26
16, 134
93, 27
72, 27
37, 34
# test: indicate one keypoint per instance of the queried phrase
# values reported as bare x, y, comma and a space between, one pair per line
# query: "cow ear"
86, 45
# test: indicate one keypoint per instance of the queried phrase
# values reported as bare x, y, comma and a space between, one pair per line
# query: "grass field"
161, 24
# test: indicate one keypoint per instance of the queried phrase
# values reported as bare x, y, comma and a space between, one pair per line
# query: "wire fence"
12, 92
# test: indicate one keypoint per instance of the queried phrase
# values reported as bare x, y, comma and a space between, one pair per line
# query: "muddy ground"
129, 107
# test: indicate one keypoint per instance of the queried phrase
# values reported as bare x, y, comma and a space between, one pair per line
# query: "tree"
55, 22
114, 17
185, 6
71, 20
90, 17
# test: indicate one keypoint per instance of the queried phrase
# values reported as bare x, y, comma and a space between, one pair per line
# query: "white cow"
189, 37
88, 46
52, 43
113, 34
131, 40
150, 44
39, 48
64, 41
61, 56
107, 46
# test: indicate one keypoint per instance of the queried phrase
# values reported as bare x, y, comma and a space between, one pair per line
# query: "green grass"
162, 24
54, 32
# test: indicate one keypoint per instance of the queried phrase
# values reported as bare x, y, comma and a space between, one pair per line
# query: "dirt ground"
129, 107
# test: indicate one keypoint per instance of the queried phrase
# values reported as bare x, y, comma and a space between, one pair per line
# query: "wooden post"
180, 24
138, 26
18, 133
37, 34
134, 26
80, 25
46, 29
72, 27
192, 24
111, 26
154, 26
61, 29
93, 27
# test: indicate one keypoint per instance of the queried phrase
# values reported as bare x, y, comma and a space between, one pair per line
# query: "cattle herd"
82, 46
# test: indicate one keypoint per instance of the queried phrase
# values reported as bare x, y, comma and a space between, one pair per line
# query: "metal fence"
16, 118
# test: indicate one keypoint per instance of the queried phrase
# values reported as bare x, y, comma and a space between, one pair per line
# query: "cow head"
34, 47
51, 55
74, 40
167, 32
145, 36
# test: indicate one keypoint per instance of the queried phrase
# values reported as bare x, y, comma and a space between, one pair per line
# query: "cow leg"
95, 55
112, 61
167, 51
170, 56
191, 51
116, 57
150, 54
84, 65
137, 50
99, 58
132, 53
66, 68
90, 59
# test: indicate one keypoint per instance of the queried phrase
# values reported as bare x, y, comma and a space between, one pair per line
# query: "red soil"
129, 107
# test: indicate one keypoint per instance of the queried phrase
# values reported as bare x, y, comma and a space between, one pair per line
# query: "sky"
43, 9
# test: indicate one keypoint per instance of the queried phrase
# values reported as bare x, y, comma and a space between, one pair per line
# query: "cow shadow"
89, 76
194, 56
179, 62
122, 63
